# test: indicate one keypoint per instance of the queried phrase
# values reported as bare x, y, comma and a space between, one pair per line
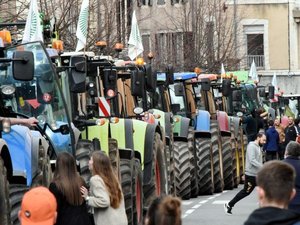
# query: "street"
209, 210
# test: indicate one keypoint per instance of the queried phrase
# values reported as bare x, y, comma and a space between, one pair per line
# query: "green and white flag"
33, 28
253, 72
223, 73
82, 25
135, 45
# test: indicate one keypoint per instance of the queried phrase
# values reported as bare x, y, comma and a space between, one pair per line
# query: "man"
272, 143
38, 207
280, 129
292, 154
290, 131
253, 164
275, 188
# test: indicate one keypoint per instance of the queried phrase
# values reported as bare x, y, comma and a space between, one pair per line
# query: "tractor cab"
29, 88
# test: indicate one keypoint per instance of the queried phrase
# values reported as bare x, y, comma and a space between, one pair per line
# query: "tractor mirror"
205, 84
226, 87
170, 74
262, 92
110, 81
23, 65
78, 75
271, 92
151, 79
137, 83
80, 67
178, 89
175, 108
237, 95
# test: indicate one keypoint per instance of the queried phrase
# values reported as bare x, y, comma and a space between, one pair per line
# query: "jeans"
249, 185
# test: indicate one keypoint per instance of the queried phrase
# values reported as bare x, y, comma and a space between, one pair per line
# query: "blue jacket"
272, 140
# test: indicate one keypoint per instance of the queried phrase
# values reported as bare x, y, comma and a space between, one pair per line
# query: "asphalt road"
209, 210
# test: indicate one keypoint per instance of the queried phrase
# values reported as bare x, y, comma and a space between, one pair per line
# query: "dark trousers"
249, 185
271, 155
281, 151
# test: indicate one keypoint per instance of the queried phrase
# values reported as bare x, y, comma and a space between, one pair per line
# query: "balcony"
258, 59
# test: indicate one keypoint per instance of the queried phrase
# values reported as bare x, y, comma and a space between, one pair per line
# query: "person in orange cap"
38, 207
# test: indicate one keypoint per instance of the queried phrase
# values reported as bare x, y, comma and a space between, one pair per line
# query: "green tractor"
102, 90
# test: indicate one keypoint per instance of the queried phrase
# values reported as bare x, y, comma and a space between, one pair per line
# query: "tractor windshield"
40, 97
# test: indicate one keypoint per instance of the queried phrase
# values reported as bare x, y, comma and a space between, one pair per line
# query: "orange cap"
38, 207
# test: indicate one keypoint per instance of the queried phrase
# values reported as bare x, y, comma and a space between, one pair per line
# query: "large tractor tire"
4, 196
217, 157
193, 164
171, 168
227, 163
126, 183
16, 192
137, 194
114, 157
83, 151
45, 174
205, 166
158, 184
182, 169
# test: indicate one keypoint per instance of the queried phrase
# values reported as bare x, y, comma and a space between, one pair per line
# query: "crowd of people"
273, 166
68, 200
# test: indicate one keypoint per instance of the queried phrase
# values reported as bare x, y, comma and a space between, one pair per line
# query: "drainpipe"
289, 38
235, 27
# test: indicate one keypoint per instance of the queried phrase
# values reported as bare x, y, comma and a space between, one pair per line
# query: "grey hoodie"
253, 159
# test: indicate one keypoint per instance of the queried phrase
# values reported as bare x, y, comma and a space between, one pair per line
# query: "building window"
255, 50
160, 2
178, 1
174, 48
145, 2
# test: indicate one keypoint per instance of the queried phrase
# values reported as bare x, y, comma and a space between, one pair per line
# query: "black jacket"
295, 162
69, 214
272, 216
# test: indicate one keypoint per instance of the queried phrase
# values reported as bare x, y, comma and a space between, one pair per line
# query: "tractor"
99, 88
30, 88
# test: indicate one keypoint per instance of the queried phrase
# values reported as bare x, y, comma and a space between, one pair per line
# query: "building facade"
264, 31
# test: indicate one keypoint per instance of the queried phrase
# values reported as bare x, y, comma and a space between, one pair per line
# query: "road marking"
196, 206
217, 195
204, 201
210, 198
187, 202
189, 211
220, 202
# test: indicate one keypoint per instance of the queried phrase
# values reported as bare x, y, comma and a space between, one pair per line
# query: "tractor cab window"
177, 99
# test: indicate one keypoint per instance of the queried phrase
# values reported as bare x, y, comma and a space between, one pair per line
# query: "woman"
71, 207
164, 211
106, 196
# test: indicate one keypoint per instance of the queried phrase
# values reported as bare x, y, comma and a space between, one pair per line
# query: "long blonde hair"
67, 179
102, 167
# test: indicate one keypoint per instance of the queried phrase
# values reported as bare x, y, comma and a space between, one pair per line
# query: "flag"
135, 45
33, 28
275, 85
223, 73
253, 72
82, 25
